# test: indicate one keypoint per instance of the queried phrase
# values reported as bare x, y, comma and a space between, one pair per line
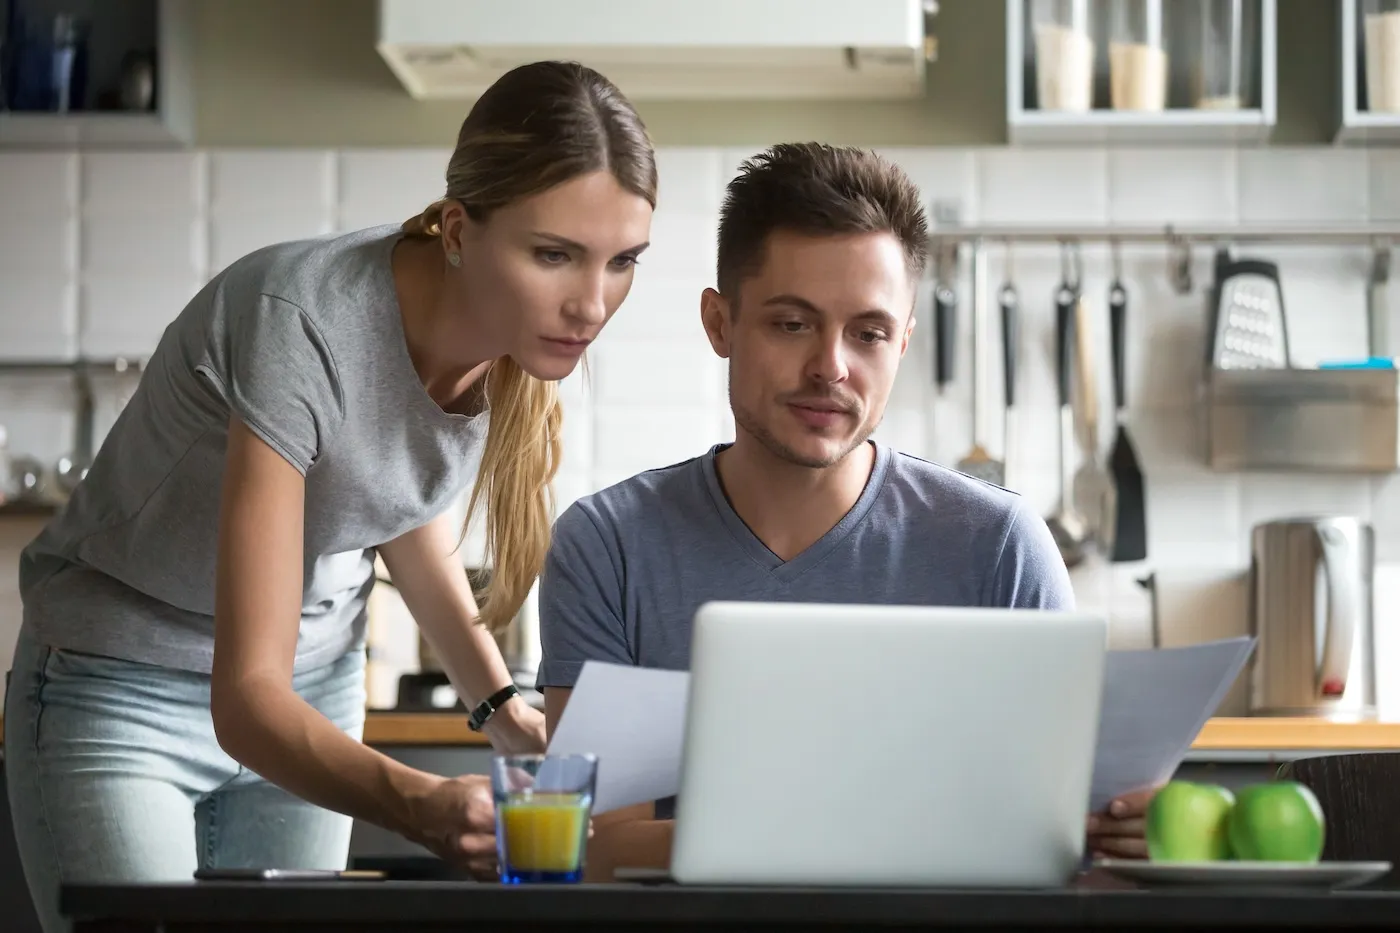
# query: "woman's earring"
454, 258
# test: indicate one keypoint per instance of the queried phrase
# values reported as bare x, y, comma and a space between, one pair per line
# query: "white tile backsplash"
124, 315
38, 185
38, 317
688, 180
1038, 186
172, 244
253, 180
682, 247
631, 370
640, 436
388, 186
133, 184
234, 234
43, 248
1180, 186
1313, 184
948, 175
1269, 496
1384, 193
103, 250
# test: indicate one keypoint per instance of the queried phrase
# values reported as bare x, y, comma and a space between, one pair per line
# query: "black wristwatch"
487, 708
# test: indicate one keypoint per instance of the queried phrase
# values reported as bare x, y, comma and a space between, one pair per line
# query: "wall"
98, 251
271, 73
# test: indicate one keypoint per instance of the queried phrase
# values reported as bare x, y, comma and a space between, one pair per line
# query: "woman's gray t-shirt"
304, 341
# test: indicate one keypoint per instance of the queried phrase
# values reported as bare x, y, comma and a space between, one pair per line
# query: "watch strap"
487, 707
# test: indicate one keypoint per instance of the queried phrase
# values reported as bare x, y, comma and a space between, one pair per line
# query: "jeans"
115, 775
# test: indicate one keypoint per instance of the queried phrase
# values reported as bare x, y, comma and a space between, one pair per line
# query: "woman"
188, 687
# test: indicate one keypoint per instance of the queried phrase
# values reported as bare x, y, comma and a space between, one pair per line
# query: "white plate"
1268, 874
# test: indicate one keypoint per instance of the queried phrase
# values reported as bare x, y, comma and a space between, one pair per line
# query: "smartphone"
287, 874
644, 875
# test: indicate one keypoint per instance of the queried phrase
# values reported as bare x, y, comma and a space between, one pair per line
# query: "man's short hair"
815, 189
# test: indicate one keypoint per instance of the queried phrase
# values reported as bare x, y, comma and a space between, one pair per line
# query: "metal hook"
1069, 260
1179, 263
1380, 261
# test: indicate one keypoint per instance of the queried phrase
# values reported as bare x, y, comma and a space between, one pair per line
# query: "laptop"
863, 745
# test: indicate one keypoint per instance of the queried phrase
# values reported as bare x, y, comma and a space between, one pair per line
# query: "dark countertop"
363, 906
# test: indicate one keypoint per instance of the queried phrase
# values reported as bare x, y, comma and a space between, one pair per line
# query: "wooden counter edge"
1220, 734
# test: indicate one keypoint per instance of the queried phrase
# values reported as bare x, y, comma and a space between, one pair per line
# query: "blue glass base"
510, 876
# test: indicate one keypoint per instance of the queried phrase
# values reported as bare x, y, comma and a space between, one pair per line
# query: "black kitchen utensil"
1066, 522
1009, 301
1130, 522
945, 304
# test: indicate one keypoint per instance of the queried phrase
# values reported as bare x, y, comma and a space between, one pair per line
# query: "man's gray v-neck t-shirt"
631, 564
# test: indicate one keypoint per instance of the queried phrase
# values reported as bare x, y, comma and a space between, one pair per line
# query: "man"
820, 254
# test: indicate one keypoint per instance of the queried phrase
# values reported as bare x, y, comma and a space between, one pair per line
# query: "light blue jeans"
114, 774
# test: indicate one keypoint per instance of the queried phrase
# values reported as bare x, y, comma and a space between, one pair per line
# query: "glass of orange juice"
543, 803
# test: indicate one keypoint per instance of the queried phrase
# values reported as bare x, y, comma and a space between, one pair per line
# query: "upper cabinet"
1140, 71
1370, 79
93, 73
715, 50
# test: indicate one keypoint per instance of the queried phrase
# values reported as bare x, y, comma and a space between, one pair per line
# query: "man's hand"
1120, 832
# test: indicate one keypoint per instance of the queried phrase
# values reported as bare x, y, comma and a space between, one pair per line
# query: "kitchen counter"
1221, 734
1263, 734
215, 907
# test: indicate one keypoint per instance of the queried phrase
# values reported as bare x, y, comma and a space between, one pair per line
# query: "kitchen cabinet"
1139, 72
1370, 71
112, 29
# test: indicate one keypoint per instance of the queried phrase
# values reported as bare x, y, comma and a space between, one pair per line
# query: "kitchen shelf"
1309, 420
169, 125
1101, 125
1358, 124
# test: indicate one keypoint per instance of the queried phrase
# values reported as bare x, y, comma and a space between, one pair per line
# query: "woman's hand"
456, 821
517, 728
428, 573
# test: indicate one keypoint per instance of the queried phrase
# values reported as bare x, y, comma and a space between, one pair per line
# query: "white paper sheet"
1155, 703
633, 719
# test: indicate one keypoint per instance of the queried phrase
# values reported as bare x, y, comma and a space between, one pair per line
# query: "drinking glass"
543, 804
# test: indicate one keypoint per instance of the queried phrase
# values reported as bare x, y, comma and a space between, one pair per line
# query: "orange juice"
543, 836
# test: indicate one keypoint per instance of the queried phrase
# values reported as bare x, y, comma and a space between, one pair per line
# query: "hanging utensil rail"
1179, 239
1128, 233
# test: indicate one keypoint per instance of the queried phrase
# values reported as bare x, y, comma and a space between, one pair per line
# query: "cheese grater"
1249, 330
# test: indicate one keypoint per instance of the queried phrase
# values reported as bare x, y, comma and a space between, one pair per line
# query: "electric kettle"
1311, 613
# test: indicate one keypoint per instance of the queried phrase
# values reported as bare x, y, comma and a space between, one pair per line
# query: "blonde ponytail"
426, 224
518, 465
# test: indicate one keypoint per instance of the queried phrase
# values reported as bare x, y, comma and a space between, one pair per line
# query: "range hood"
666, 49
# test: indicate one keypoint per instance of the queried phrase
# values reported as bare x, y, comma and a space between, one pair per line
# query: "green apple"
1277, 821
1186, 822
